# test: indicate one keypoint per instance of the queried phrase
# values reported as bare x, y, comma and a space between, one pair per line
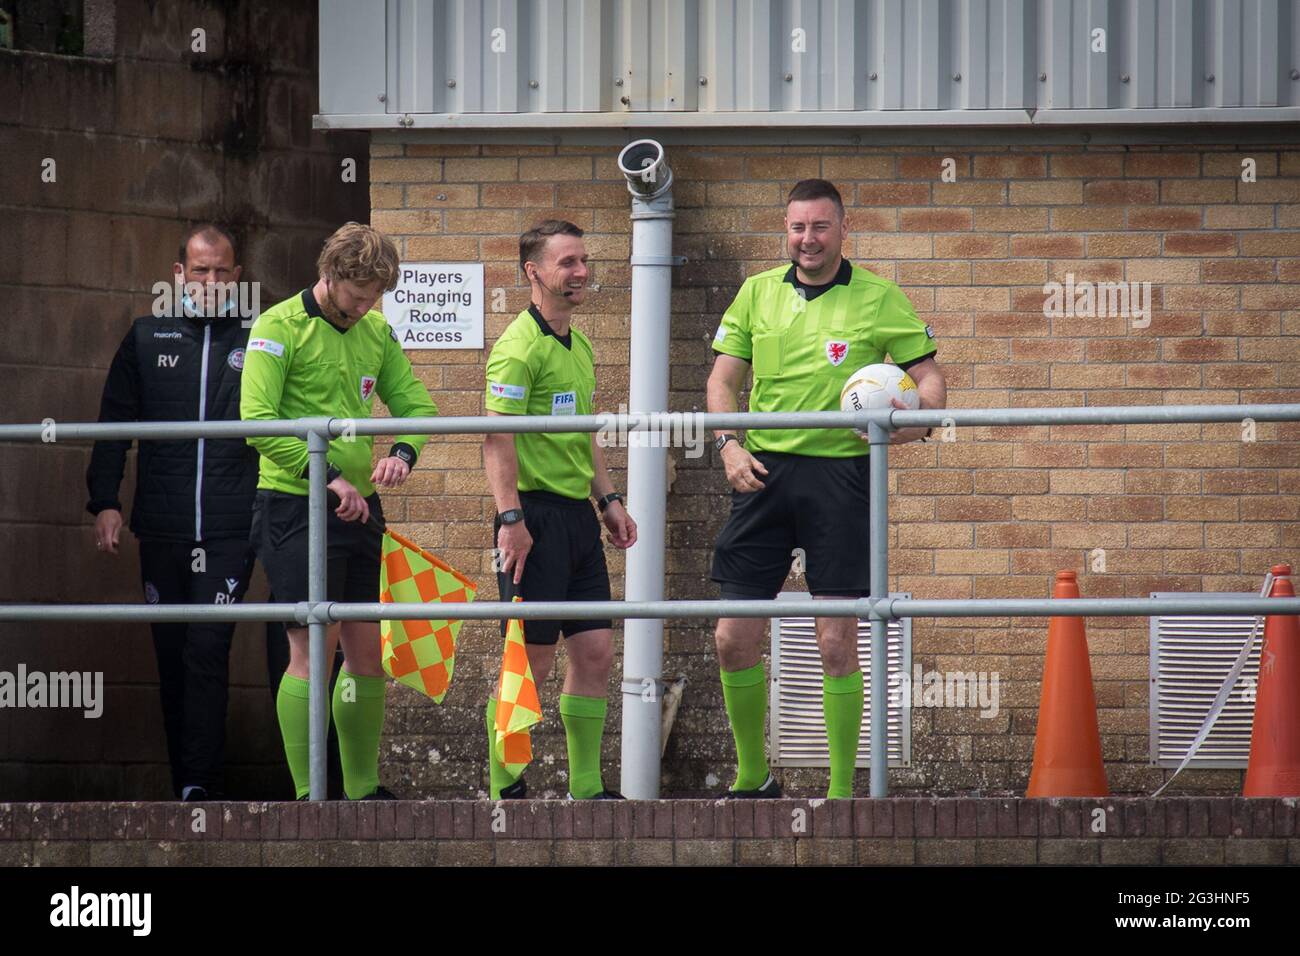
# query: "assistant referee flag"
518, 706
420, 654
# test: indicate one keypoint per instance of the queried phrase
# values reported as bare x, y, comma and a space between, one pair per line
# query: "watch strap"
405, 452
332, 471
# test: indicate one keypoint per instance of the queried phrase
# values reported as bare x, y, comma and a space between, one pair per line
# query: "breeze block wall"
993, 513
147, 135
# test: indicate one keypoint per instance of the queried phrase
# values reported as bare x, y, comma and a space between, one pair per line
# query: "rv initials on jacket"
168, 361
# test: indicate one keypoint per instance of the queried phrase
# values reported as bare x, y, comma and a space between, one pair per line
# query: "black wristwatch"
405, 453
603, 503
721, 443
512, 516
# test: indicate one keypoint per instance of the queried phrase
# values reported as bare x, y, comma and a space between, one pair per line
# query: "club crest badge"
367, 387
837, 352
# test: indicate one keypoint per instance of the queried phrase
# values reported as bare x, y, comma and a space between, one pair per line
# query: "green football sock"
291, 706
584, 725
842, 704
498, 776
359, 718
745, 694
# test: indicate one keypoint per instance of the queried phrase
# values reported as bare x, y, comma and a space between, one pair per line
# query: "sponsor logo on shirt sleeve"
929, 332
501, 390
721, 334
564, 403
266, 345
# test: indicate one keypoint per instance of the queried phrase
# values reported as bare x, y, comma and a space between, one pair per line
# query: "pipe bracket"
633, 687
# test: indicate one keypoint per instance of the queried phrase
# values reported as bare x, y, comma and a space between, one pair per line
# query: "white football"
872, 386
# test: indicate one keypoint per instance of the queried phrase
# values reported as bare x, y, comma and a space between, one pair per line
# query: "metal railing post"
318, 673
878, 547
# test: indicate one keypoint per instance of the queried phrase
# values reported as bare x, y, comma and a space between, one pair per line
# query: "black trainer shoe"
381, 793
516, 791
603, 795
770, 790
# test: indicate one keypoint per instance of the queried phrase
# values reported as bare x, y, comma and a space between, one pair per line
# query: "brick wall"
894, 832
992, 514
145, 142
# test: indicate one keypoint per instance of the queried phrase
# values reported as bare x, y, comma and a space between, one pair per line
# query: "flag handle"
371, 522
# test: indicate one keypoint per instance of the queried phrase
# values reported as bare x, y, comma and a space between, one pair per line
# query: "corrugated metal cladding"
728, 56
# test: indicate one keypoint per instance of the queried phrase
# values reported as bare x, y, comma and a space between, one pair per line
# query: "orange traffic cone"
1274, 766
1067, 748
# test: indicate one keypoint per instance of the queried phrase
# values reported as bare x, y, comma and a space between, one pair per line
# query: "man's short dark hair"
806, 189
213, 233
533, 241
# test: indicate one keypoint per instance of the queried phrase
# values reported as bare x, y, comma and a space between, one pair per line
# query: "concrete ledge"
895, 831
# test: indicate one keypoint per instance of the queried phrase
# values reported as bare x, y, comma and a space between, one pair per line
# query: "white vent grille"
1190, 659
798, 725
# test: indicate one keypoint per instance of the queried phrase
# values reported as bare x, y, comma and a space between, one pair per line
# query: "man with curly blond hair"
327, 352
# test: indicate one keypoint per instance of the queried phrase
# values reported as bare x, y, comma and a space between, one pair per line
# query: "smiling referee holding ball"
804, 329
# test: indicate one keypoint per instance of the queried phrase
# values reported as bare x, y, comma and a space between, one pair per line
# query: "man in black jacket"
193, 497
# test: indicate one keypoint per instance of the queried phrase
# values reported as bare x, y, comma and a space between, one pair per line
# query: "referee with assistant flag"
547, 535
326, 352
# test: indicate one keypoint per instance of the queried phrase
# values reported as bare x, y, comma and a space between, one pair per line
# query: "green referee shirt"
297, 364
804, 342
532, 371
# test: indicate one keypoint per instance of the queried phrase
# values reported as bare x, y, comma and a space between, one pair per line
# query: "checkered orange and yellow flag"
420, 654
518, 706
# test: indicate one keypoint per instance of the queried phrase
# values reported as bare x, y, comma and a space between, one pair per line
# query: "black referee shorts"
567, 562
818, 504
353, 549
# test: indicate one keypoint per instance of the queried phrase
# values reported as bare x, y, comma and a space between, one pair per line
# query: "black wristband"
603, 503
332, 471
405, 452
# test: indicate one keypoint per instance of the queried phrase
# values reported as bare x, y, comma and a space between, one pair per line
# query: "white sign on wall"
437, 305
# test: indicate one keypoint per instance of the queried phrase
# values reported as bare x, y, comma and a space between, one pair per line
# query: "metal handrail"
317, 613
